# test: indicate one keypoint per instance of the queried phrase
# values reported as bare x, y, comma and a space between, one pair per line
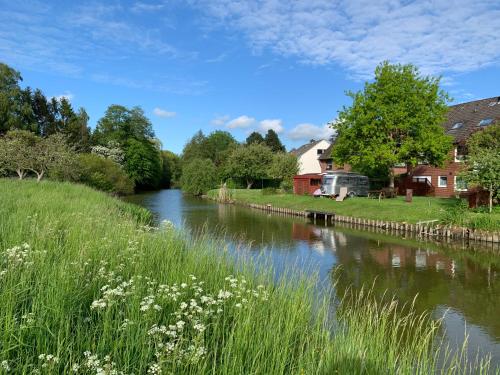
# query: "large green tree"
283, 167
199, 176
143, 163
482, 167
395, 119
254, 137
171, 169
272, 140
250, 163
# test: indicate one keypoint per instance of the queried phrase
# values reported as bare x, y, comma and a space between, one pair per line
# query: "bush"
104, 174
287, 186
199, 176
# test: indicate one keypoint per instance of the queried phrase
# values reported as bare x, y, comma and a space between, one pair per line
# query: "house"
462, 120
308, 154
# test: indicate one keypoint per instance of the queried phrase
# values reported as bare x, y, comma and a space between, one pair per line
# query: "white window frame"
439, 182
455, 185
457, 160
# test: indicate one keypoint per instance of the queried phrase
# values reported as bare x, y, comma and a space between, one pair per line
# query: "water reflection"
466, 284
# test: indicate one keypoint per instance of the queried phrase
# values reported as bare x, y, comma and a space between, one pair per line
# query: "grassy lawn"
86, 286
396, 209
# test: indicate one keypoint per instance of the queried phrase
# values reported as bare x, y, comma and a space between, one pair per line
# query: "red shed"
306, 184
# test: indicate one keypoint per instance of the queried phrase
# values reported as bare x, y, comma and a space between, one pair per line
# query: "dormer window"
457, 125
485, 122
320, 151
460, 153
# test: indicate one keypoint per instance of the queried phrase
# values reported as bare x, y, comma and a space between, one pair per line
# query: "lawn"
447, 211
88, 286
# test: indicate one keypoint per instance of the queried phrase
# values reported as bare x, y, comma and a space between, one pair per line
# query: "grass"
87, 286
447, 211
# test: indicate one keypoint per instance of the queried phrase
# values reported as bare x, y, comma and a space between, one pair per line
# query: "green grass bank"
87, 286
447, 211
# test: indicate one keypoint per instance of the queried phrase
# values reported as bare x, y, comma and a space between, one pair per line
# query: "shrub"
104, 174
199, 176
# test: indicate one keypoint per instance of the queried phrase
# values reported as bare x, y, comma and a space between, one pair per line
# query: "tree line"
209, 161
47, 136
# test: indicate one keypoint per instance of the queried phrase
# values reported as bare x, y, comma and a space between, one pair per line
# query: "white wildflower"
4, 365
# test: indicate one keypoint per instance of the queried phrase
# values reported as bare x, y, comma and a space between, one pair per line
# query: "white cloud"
163, 113
240, 122
306, 132
67, 95
146, 7
220, 120
438, 36
274, 124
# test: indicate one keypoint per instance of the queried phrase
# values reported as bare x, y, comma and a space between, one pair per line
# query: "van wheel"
352, 194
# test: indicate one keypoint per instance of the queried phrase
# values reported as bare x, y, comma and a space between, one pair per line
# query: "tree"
273, 141
17, 151
171, 169
250, 163
482, 166
254, 137
194, 148
142, 163
217, 146
199, 176
121, 124
284, 167
52, 153
111, 151
395, 119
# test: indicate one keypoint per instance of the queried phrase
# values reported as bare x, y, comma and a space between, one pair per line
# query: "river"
463, 284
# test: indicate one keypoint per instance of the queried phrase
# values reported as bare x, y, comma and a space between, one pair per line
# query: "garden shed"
306, 184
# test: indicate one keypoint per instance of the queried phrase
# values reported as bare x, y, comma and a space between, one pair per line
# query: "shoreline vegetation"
89, 286
446, 211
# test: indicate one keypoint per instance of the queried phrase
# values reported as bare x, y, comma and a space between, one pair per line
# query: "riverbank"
422, 209
86, 283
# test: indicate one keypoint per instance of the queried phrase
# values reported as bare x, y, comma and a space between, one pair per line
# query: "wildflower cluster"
17, 257
93, 364
182, 341
48, 360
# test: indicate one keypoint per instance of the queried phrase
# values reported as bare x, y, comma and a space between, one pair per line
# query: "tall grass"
87, 286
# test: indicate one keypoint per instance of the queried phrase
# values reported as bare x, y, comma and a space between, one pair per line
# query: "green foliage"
273, 141
199, 176
254, 137
92, 277
22, 151
103, 174
284, 166
482, 167
120, 124
250, 163
171, 169
142, 163
218, 145
395, 119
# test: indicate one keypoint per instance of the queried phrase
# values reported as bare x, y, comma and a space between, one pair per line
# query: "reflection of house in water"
402, 257
320, 239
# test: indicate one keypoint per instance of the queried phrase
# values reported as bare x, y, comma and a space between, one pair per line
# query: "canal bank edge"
446, 232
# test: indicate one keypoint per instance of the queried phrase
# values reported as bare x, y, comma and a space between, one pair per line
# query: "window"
485, 122
442, 181
460, 152
460, 184
422, 179
319, 151
457, 125
329, 166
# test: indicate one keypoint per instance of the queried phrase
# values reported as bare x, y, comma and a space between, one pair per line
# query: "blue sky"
244, 65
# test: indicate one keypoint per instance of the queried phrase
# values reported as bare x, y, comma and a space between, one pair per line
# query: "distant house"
308, 155
462, 120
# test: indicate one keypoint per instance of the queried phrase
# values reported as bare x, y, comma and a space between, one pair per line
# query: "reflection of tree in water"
438, 280
247, 225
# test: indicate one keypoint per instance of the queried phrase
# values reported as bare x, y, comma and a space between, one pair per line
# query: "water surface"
463, 284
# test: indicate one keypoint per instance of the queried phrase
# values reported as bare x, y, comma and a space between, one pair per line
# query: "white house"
308, 155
